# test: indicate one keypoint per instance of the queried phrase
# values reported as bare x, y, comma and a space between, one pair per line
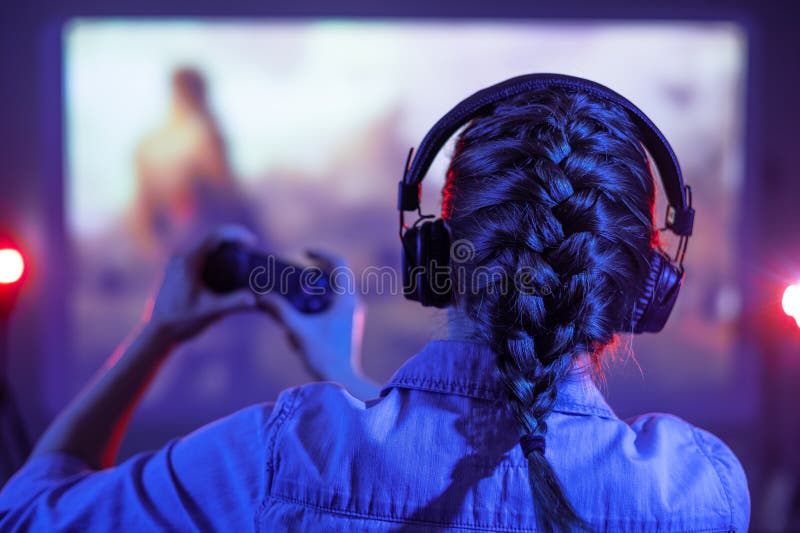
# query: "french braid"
553, 185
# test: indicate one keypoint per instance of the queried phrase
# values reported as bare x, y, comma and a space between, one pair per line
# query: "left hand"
183, 306
329, 342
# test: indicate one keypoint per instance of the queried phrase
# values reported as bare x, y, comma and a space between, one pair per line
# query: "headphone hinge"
680, 221
408, 195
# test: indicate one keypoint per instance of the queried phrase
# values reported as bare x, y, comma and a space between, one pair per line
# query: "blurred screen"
299, 129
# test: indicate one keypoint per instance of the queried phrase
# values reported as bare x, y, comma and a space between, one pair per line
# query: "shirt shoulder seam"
285, 409
700, 441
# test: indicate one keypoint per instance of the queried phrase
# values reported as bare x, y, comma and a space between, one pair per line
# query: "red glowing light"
11, 266
791, 302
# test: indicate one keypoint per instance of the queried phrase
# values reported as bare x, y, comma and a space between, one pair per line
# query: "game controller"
232, 267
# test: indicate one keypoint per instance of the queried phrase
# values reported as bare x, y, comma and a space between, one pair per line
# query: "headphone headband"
680, 215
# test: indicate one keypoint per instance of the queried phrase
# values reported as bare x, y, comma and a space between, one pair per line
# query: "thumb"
279, 308
229, 303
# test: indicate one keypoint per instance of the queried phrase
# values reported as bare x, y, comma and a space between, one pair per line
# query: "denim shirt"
436, 451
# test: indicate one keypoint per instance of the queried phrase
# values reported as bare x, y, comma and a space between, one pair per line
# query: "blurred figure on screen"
184, 180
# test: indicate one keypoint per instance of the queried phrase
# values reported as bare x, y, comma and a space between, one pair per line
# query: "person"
553, 180
185, 184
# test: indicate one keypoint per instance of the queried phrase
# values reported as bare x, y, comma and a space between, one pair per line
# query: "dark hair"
191, 85
553, 184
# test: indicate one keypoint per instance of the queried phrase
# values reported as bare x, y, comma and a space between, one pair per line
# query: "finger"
341, 275
294, 341
230, 303
327, 260
225, 233
279, 308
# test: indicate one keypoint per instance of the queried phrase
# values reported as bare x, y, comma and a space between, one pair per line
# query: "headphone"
426, 244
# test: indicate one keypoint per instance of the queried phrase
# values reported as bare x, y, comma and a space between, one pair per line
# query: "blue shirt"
437, 450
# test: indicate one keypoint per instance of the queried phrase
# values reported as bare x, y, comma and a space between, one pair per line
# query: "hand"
183, 306
328, 342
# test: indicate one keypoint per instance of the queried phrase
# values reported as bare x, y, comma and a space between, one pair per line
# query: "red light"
791, 302
11, 266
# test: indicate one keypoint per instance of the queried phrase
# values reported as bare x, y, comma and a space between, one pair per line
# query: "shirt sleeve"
213, 479
731, 476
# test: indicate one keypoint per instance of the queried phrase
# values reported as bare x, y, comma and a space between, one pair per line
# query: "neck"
461, 328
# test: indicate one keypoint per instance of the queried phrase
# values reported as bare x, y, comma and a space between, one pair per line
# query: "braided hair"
553, 189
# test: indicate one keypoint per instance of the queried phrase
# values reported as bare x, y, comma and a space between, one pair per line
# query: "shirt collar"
468, 369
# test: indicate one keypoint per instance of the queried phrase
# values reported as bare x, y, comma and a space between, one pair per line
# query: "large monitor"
300, 129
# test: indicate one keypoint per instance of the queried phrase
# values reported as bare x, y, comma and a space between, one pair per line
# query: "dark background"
770, 224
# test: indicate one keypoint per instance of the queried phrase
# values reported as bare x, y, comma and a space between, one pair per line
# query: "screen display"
299, 129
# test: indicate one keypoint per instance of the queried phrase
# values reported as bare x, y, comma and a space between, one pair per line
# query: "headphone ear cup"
426, 256
658, 296
438, 287
423, 246
411, 264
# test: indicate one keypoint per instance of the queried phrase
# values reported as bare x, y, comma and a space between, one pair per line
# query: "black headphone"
426, 244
